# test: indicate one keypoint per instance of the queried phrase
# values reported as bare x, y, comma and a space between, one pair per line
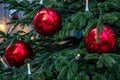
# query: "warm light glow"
1, 59
86, 0
2, 28
78, 55
32, 37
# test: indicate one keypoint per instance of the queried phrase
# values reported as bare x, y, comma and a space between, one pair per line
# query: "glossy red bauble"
107, 40
16, 54
47, 21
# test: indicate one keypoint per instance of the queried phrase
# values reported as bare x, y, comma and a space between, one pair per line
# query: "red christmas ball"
47, 21
107, 39
16, 54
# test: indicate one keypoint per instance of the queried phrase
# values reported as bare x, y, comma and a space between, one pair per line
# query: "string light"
77, 57
3, 62
67, 0
32, 37
87, 5
29, 72
10, 30
41, 2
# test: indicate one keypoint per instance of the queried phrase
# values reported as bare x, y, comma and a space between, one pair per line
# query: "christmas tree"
84, 45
